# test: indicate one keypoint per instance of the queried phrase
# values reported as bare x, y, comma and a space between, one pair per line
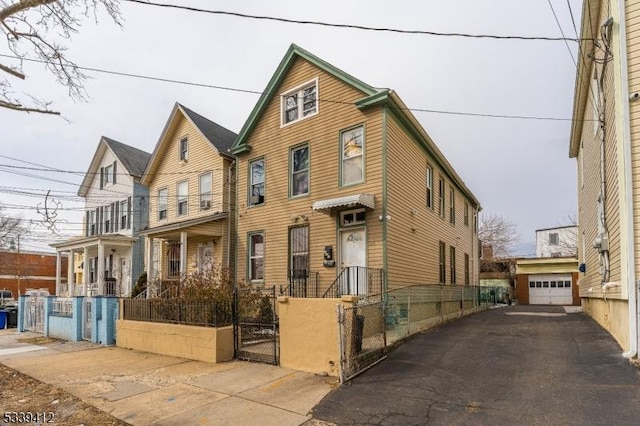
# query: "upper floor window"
108, 175
182, 198
108, 223
352, 155
163, 202
553, 239
441, 197
452, 206
452, 264
299, 166
466, 214
256, 184
93, 228
205, 191
124, 214
429, 187
184, 149
442, 265
299, 103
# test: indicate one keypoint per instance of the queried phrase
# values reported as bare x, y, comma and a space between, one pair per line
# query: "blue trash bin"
3, 319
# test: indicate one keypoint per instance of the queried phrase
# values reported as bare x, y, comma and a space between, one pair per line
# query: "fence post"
48, 302
76, 314
341, 343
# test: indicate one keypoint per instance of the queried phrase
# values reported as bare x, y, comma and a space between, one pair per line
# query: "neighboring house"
116, 209
557, 242
339, 184
190, 179
547, 281
27, 269
606, 144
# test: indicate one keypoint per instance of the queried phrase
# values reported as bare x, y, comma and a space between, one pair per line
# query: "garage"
552, 289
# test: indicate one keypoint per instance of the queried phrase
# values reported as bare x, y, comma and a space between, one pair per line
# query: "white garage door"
550, 289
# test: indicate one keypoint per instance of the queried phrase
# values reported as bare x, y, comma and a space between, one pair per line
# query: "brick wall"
36, 270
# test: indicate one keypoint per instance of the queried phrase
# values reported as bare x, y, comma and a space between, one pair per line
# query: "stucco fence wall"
207, 344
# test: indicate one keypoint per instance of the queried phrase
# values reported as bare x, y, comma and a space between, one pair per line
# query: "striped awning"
357, 200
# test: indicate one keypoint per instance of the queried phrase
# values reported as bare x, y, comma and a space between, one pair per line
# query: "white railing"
62, 306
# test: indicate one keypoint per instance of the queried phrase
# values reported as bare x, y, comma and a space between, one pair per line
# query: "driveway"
526, 365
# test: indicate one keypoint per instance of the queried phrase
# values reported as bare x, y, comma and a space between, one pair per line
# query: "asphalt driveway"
523, 365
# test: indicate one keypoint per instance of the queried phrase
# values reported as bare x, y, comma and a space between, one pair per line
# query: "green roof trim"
240, 146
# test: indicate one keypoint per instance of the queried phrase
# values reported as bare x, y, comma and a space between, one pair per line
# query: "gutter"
628, 205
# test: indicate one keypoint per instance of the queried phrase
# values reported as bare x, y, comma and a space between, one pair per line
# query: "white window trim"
307, 171
251, 183
186, 198
355, 222
186, 151
362, 156
205, 195
299, 90
251, 257
166, 204
429, 194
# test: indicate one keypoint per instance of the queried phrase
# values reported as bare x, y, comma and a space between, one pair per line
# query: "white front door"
353, 255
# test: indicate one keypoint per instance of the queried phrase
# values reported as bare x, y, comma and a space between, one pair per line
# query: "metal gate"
256, 325
33, 315
87, 317
362, 338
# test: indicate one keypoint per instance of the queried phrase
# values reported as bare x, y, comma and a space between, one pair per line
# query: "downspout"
385, 263
229, 182
632, 286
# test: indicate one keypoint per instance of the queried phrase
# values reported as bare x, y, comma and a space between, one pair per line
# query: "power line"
352, 26
562, 32
211, 86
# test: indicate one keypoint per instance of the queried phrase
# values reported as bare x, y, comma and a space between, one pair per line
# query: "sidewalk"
142, 388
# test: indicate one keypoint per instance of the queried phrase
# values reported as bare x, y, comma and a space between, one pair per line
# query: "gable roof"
269, 92
132, 159
220, 138
372, 97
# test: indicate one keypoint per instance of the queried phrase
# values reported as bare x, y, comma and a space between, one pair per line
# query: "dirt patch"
39, 340
22, 393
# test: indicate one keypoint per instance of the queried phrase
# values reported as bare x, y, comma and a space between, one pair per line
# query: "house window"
300, 103
452, 264
466, 214
299, 250
299, 166
466, 269
184, 149
205, 191
163, 202
442, 263
452, 206
553, 239
205, 258
441, 197
352, 155
353, 217
256, 256
93, 229
256, 191
124, 214
429, 187
108, 174
93, 266
107, 219
183, 198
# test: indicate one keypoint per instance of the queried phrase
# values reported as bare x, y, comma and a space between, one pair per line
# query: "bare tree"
568, 241
36, 30
499, 233
10, 229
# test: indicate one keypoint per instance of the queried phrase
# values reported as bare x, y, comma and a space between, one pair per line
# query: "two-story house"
561, 241
340, 188
110, 253
605, 141
190, 181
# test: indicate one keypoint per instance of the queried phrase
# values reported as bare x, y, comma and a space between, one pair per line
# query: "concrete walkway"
143, 389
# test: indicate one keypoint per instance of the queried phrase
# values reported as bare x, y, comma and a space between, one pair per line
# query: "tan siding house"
190, 180
605, 142
332, 189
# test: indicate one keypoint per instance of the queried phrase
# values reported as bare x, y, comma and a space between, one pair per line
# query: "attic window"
184, 149
300, 103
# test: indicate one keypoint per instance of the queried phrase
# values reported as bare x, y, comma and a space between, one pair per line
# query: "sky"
518, 169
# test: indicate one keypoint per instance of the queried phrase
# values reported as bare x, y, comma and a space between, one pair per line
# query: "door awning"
357, 200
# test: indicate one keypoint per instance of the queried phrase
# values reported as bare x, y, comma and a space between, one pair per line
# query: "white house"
557, 242
116, 209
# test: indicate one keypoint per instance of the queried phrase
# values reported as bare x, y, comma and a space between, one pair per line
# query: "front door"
353, 257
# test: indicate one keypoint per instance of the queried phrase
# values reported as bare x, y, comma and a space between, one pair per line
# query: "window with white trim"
429, 187
300, 103
452, 206
441, 211
108, 174
256, 182
256, 256
299, 251
93, 228
182, 198
205, 191
163, 203
553, 239
352, 155
107, 219
184, 149
466, 214
124, 211
299, 166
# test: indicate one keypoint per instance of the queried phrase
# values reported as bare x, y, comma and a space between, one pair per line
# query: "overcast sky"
518, 169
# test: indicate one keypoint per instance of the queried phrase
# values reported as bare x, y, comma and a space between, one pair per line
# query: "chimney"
487, 252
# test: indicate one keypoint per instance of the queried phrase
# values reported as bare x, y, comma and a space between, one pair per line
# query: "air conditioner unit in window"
205, 204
